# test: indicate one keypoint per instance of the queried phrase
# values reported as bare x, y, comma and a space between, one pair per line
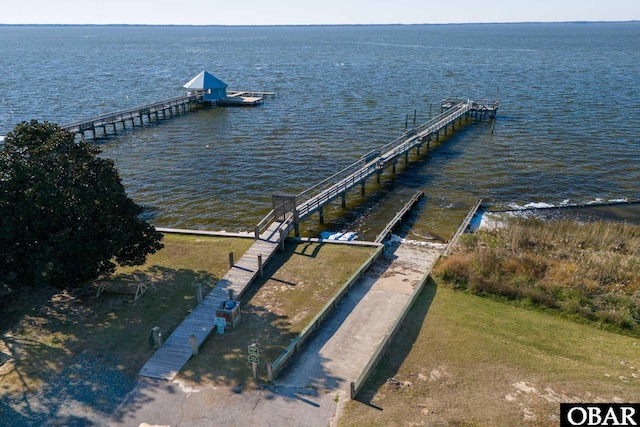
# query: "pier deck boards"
167, 361
315, 198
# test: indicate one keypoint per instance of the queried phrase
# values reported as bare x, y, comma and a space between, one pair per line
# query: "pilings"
137, 116
455, 113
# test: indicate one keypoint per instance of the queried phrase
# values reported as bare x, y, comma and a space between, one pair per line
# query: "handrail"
144, 108
372, 162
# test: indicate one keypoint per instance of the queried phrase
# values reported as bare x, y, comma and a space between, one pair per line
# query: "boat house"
211, 88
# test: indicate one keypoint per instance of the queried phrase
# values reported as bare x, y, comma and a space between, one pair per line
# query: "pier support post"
362, 189
406, 158
231, 260
393, 168
344, 200
321, 213
378, 176
260, 266
296, 229
256, 232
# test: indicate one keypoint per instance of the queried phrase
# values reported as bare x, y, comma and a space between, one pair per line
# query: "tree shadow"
73, 357
400, 346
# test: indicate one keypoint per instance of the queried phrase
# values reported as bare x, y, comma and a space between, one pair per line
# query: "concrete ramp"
343, 346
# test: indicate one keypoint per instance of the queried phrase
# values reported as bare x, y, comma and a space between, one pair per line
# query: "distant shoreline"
633, 21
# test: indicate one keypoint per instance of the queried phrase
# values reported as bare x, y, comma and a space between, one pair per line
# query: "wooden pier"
314, 199
288, 211
111, 123
137, 116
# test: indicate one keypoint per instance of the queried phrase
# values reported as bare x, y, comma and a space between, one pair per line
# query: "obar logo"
599, 414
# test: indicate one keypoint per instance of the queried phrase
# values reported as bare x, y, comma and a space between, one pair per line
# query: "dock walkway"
314, 199
174, 353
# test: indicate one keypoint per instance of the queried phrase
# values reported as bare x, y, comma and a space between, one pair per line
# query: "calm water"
567, 130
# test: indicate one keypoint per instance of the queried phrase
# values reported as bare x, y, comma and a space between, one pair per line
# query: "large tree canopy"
65, 217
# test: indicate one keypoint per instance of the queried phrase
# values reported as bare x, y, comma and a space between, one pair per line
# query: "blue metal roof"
204, 81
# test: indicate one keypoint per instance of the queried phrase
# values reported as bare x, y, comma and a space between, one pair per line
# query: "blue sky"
278, 12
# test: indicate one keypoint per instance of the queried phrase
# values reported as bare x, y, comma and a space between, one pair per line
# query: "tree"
65, 217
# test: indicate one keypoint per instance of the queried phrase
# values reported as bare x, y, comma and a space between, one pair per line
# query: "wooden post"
282, 240
321, 213
194, 344
414, 116
199, 292
269, 371
231, 295
362, 187
493, 123
344, 200
257, 232
231, 260
157, 337
378, 175
260, 267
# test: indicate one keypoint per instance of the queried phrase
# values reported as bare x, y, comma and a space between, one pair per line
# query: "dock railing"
332, 187
130, 113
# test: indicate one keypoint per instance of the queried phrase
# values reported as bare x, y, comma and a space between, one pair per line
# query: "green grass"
460, 359
45, 330
274, 310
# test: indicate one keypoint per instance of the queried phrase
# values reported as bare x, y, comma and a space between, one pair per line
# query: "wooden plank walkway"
108, 122
167, 361
315, 198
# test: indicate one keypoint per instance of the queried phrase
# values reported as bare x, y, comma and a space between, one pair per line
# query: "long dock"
113, 122
287, 213
314, 199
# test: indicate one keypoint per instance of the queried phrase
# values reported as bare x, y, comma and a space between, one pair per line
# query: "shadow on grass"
74, 357
400, 346
223, 359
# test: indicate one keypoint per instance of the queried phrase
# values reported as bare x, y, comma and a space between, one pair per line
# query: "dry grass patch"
65, 342
462, 360
591, 270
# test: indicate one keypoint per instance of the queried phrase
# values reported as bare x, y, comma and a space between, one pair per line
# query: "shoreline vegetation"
587, 271
517, 320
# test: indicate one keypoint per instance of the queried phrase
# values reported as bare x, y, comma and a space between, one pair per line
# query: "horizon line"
318, 25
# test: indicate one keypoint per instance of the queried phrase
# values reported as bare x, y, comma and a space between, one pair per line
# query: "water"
567, 129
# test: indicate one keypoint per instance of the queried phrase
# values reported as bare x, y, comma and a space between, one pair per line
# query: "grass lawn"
72, 346
463, 360
275, 310
44, 330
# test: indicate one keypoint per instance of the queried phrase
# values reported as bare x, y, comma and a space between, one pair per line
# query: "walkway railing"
313, 198
131, 113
